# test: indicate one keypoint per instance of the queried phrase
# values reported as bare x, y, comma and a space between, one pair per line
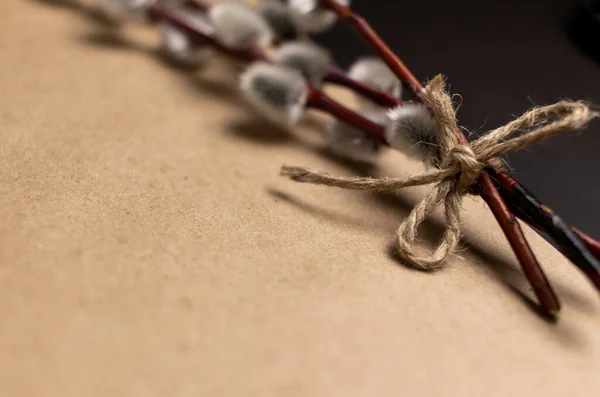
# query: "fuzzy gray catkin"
280, 19
311, 17
239, 26
278, 92
309, 59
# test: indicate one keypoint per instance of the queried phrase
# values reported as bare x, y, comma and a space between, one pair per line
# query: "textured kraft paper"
149, 248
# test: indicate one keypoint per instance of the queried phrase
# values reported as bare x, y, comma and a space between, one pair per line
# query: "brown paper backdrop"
148, 248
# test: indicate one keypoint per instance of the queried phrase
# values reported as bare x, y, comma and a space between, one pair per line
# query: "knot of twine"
459, 168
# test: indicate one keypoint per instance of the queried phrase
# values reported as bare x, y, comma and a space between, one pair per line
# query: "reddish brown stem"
531, 268
592, 244
319, 100
488, 191
339, 77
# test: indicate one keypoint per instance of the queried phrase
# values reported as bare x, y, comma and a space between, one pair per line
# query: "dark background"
502, 57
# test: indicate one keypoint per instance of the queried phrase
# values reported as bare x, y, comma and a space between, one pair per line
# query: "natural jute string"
458, 169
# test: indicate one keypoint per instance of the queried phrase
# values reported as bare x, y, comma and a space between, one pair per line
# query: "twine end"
294, 173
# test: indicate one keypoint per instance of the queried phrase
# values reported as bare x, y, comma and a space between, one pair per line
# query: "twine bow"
459, 168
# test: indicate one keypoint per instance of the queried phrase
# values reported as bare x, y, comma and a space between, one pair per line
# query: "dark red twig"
533, 271
319, 100
591, 244
339, 77
488, 191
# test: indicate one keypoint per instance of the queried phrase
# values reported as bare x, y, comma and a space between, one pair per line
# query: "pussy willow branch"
339, 77
317, 99
532, 270
335, 75
159, 13
511, 190
569, 239
488, 191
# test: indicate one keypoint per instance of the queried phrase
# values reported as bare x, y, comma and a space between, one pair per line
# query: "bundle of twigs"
285, 76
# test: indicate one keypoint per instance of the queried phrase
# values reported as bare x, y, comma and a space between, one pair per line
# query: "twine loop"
459, 168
